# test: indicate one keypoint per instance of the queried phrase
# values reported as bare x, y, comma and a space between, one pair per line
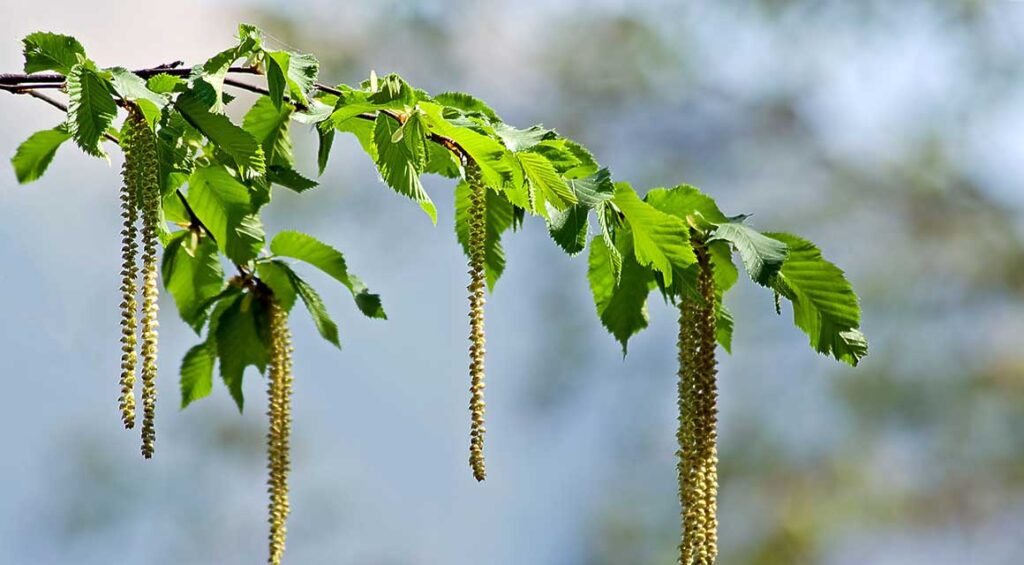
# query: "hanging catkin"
698, 419
477, 253
129, 280
279, 414
143, 153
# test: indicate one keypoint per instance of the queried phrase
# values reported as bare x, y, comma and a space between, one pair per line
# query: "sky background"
888, 133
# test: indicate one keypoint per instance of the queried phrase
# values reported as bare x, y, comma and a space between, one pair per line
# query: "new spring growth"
477, 254
129, 278
698, 418
280, 421
144, 156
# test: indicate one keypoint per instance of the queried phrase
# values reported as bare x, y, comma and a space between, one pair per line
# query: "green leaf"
466, 103
34, 155
442, 162
240, 343
498, 220
547, 185
91, 109
400, 163
660, 241
570, 228
684, 201
269, 125
363, 131
762, 256
233, 140
164, 83
307, 248
622, 305
197, 373
222, 203
325, 136
517, 140
301, 75
594, 189
192, 278
277, 70
497, 165
51, 52
275, 274
723, 327
824, 304
131, 86
290, 178
315, 305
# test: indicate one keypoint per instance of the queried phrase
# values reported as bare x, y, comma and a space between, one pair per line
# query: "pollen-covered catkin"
129, 284
278, 443
477, 253
145, 155
698, 418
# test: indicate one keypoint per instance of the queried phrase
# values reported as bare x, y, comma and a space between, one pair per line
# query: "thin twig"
170, 69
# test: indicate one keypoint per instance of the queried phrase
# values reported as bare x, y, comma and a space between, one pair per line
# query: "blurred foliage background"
887, 132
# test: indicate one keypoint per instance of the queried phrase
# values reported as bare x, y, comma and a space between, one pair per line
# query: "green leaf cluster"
217, 176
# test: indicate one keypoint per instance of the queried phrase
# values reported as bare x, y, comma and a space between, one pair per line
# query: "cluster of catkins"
698, 418
140, 199
477, 276
280, 415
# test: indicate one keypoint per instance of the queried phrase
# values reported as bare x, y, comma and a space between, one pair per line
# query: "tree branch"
9, 79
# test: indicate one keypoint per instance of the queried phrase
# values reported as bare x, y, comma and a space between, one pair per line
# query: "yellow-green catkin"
477, 254
279, 413
698, 419
144, 153
129, 284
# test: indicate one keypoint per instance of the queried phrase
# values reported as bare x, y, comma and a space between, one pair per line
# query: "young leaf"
240, 343
301, 75
570, 228
277, 72
192, 278
684, 201
466, 103
91, 109
35, 153
269, 125
51, 52
325, 135
548, 186
660, 241
622, 305
306, 248
222, 203
327, 328
762, 256
197, 373
290, 178
499, 219
824, 304
400, 163
275, 274
233, 140
497, 164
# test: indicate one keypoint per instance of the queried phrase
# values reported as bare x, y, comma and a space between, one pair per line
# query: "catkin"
144, 152
279, 414
129, 284
477, 251
698, 419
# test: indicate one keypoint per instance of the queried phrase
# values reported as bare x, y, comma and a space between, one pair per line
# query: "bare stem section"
278, 437
477, 251
698, 419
